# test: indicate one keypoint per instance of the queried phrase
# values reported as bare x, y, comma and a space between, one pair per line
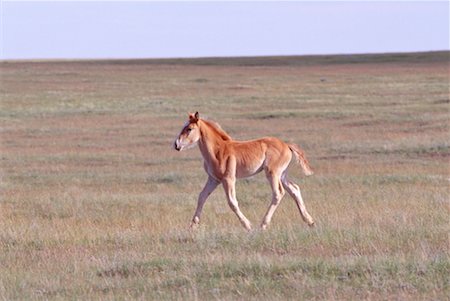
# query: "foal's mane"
217, 129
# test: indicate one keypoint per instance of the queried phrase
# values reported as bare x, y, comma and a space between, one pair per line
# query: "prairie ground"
95, 203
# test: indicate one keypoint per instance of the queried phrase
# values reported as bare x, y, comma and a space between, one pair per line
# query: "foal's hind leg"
294, 191
277, 194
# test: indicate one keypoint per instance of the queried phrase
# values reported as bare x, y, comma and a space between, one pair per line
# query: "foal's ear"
194, 117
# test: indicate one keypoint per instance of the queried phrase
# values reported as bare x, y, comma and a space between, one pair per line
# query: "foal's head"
189, 135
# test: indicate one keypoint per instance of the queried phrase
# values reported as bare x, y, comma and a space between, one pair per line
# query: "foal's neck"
210, 141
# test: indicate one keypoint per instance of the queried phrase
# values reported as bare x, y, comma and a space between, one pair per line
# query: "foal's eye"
188, 130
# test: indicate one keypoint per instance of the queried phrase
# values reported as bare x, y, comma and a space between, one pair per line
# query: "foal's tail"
301, 159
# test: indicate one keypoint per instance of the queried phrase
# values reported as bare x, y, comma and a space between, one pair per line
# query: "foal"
226, 159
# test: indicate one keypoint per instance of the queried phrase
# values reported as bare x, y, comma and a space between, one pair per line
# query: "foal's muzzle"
176, 146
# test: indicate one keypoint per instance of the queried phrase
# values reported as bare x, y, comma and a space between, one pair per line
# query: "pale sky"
144, 29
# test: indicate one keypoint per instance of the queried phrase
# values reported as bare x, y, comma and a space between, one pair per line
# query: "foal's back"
253, 156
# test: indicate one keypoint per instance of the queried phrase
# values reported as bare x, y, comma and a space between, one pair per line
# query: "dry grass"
95, 204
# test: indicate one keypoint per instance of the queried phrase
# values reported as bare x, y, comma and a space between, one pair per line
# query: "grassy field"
95, 204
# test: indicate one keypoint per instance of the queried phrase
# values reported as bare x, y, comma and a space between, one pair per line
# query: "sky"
146, 29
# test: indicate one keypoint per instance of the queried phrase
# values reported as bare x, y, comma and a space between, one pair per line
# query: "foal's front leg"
210, 185
230, 191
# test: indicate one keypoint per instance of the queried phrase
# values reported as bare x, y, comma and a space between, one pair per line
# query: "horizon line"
213, 57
